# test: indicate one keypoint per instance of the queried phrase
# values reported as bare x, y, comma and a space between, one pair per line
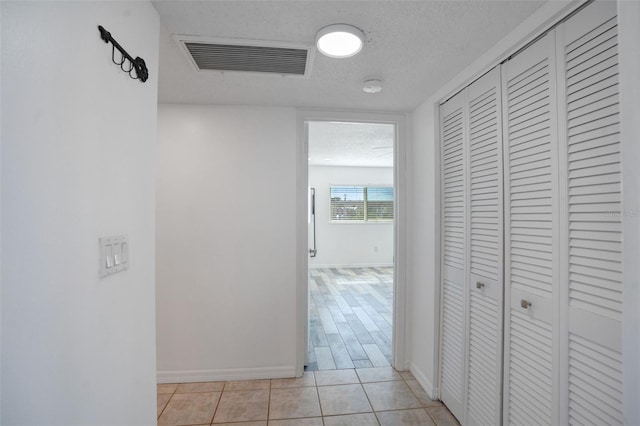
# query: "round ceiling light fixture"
339, 41
372, 85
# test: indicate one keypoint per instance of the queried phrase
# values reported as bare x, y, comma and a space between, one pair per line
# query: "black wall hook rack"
137, 64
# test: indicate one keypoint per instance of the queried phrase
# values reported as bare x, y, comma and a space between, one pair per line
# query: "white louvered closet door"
591, 193
531, 235
485, 229
454, 259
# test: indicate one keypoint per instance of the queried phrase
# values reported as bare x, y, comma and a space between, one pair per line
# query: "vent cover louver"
247, 56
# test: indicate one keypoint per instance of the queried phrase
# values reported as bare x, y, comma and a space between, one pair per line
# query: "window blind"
361, 203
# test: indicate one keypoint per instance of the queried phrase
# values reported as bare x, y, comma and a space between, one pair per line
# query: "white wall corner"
401, 305
0, 234
302, 244
426, 384
193, 376
542, 19
437, 249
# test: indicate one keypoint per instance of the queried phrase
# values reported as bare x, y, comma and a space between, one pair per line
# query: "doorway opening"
351, 225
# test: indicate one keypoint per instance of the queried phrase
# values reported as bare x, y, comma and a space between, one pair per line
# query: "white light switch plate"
114, 254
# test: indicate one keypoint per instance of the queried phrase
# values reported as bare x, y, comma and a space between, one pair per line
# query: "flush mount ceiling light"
372, 85
339, 41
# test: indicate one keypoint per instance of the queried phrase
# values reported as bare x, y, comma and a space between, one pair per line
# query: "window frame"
365, 202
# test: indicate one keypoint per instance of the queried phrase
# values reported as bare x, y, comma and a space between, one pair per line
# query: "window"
361, 203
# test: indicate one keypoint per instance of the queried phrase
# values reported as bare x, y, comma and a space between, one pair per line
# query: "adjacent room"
351, 244
319, 213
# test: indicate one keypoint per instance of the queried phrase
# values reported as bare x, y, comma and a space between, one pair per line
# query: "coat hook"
137, 64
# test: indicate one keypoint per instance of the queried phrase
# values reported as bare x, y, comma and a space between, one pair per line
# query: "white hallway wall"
226, 264
354, 244
78, 161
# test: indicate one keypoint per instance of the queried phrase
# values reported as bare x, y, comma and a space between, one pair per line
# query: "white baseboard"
426, 384
351, 265
191, 376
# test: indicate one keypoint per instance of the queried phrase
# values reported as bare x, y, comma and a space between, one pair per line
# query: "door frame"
400, 121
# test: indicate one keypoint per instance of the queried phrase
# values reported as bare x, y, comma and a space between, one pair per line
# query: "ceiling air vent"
255, 56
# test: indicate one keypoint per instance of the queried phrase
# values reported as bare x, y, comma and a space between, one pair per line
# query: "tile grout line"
219, 400
168, 401
425, 408
269, 401
217, 405
315, 380
368, 399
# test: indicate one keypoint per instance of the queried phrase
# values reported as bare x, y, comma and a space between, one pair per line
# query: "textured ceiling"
414, 46
351, 144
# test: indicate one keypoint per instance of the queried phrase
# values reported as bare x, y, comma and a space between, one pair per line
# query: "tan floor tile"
407, 375
378, 374
242, 406
167, 388
422, 396
200, 387
163, 398
261, 423
336, 377
235, 385
442, 416
189, 409
343, 399
417, 417
368, 419
308, 379
386, 396
294, 403
314, 421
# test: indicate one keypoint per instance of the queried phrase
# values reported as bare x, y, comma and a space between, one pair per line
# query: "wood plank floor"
350, 318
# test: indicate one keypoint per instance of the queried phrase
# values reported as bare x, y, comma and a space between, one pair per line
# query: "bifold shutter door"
532, 295
485, 251
590, 160
454, 258
531, 231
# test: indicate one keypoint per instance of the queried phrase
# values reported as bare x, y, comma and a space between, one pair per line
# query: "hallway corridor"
366, 397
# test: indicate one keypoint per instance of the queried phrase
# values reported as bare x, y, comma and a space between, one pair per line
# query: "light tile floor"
352, 397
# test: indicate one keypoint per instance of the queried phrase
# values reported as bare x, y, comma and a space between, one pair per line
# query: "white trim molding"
401, 121
192, 376
351, 265
628, 36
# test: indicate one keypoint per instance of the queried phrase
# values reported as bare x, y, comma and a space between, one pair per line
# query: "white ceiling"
414, 46
351, 144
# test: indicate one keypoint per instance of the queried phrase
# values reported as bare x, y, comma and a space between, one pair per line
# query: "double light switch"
114, 254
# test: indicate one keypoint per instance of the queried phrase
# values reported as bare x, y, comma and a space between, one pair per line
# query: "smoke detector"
372, 85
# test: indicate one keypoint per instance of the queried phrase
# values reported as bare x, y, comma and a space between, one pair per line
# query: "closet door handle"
479, 284
525, 304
